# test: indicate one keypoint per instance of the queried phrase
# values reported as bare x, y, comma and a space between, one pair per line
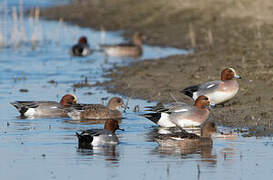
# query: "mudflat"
220, 34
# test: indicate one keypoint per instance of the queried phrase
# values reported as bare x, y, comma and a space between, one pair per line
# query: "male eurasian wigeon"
217, 91
133, 49
181, 114
96, 111
81, 48
185, 140
45, 108
96, 137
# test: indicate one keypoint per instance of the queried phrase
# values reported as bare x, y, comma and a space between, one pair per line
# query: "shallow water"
47, 148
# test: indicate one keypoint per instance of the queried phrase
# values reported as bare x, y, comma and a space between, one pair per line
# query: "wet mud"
220, 34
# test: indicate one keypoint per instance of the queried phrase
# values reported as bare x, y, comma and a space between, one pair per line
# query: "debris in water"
136, 108
88, 93
52, 82
23, 90
82, 84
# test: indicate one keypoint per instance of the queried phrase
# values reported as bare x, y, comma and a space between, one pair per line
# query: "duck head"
115, 103
112, 125
203, 102
68, 99
228, 74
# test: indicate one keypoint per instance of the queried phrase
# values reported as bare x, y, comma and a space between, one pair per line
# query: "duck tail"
20, 107
84, 141
157, 108
190, 90
154, 117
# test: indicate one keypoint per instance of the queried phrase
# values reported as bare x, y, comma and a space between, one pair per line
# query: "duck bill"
121, 129
237, 76
210, 105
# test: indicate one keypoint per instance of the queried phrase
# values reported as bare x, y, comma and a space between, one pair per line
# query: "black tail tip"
187, 92
190, 90
154, 117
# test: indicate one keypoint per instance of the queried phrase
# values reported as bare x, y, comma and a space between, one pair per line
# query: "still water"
47, 148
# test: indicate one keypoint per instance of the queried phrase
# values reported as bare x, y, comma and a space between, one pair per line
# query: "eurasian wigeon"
96, 111
186, 140
133, 49
81, 48
45, 108
181, 114
96, 137
217, 91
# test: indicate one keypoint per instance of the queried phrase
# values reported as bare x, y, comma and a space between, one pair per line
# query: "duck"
81, 49
181, 114
218, 91
97, 137
96, 111
185, 140
45, 108
133, 50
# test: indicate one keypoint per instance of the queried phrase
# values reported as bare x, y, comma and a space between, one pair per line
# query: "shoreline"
223, 34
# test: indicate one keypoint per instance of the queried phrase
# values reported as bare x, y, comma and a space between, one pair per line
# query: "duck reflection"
177, 141
109, 152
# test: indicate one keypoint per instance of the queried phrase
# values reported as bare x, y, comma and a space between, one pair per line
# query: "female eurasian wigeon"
81, 48
96, 111
45, 108
181, 114
133, 49
96, 137
185, 140
217, 91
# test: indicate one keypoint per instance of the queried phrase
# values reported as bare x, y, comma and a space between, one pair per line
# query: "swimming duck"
181, 114
45, 108
81, 48
185, 140
96, 111
217, 91
133, 49
97, 137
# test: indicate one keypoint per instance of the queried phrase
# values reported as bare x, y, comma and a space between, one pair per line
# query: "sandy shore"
236, 34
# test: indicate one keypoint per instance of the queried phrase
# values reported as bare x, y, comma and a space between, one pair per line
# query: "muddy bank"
234, 34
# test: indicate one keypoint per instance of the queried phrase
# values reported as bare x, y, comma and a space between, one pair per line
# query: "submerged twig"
126, 104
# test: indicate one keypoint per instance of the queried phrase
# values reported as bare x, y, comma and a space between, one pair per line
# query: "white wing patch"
181, 110
85, 51
209, 86
30, 112
177, 138
187, 123
164, 121
194, 95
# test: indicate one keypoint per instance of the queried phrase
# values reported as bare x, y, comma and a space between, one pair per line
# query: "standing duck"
217, 91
